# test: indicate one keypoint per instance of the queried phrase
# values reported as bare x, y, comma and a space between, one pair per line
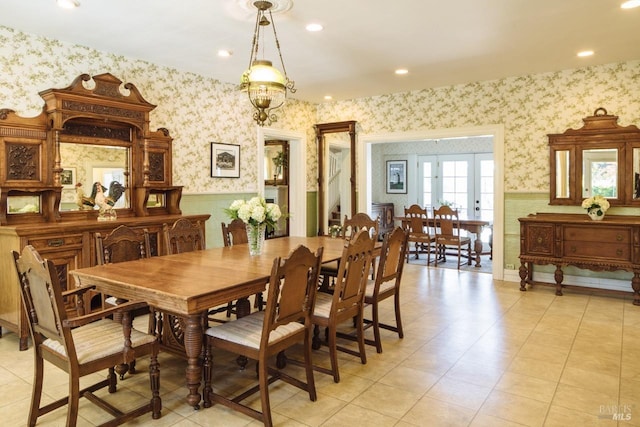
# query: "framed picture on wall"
396, 176
68, 178
225, 160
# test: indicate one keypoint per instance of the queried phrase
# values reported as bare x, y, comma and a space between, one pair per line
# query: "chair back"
415, 216
358, 222
122, 244
447, 222
354, 267
183, 236
393, 252
234, 233
42, 298
292, 289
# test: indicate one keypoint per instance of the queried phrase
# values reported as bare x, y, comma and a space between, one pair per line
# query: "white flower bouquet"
255, 211
596, 204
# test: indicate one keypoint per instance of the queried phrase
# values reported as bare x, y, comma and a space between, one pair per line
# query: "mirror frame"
321, 130
600, 131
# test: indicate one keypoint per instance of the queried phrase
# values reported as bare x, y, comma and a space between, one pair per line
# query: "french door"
464, 181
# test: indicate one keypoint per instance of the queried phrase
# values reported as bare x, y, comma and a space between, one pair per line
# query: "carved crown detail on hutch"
96, 130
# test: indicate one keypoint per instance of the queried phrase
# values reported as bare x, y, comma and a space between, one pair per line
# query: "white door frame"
297, 169
497, 130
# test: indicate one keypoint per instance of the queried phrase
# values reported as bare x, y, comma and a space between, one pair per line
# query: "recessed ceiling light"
328, 97
630, 4
314, 27
585, 53
401, 71
68, 4
224, 53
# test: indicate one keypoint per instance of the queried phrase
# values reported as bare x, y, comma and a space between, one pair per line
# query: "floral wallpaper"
530, 107
198, 110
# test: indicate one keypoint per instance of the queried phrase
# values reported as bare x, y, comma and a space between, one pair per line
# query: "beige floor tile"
527, 386
391, 401
354, 415
562, 417
459, 393
544, 369
591, 380
582, 400
433, 412
476, 352
518, 409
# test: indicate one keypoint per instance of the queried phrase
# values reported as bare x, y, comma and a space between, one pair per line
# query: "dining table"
186, 285
473, 226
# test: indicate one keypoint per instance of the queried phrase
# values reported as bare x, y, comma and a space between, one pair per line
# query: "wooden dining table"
186, 285
473, 226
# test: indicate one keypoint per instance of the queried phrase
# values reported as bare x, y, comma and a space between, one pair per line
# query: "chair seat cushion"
322, 307
329, 267
384, 286
99, 339
247, 331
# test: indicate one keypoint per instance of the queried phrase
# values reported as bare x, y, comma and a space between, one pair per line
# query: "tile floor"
476, 352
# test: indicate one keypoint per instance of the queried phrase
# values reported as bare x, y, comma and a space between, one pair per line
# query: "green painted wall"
215, 204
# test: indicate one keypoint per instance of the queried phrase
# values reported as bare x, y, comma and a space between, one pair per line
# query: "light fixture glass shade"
266, 87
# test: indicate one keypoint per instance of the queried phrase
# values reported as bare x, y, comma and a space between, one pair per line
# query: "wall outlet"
510, 267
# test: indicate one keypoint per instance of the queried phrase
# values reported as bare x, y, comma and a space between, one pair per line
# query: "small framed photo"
396, 176
225, 160
68, 178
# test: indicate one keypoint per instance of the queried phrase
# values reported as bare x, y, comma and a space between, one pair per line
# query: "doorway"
496, 131
276, 182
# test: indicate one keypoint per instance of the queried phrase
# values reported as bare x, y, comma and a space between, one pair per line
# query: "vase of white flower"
259, 216
596, 207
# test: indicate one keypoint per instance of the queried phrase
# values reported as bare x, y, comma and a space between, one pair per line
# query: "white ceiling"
440, 42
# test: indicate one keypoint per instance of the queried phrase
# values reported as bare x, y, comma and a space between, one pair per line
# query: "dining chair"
235, 233
447, 234
124, 244
419, 235
183, 236
80, 346
350, 227
346, 302
262, 334
386, 285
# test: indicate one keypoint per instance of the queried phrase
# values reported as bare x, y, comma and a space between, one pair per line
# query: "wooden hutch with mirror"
601, 158
91, 137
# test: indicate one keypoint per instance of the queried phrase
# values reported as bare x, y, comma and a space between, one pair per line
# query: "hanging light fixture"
266, 86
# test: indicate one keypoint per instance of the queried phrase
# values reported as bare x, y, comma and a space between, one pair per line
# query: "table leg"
193, 347
477, 247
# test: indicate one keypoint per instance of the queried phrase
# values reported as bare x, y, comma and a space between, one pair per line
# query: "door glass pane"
427, 185
454, 185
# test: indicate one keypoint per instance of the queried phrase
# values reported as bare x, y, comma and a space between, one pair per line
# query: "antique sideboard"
94, 132
576, 240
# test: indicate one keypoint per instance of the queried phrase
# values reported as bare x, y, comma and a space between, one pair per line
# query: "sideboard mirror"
85, 165
601, 158
348, 130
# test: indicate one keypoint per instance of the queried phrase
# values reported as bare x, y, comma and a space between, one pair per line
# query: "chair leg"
311, 384
263, 375
333, 353
37, 390
376, 326
74, 397
360, 332
154, 379
396, 301
207, 376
